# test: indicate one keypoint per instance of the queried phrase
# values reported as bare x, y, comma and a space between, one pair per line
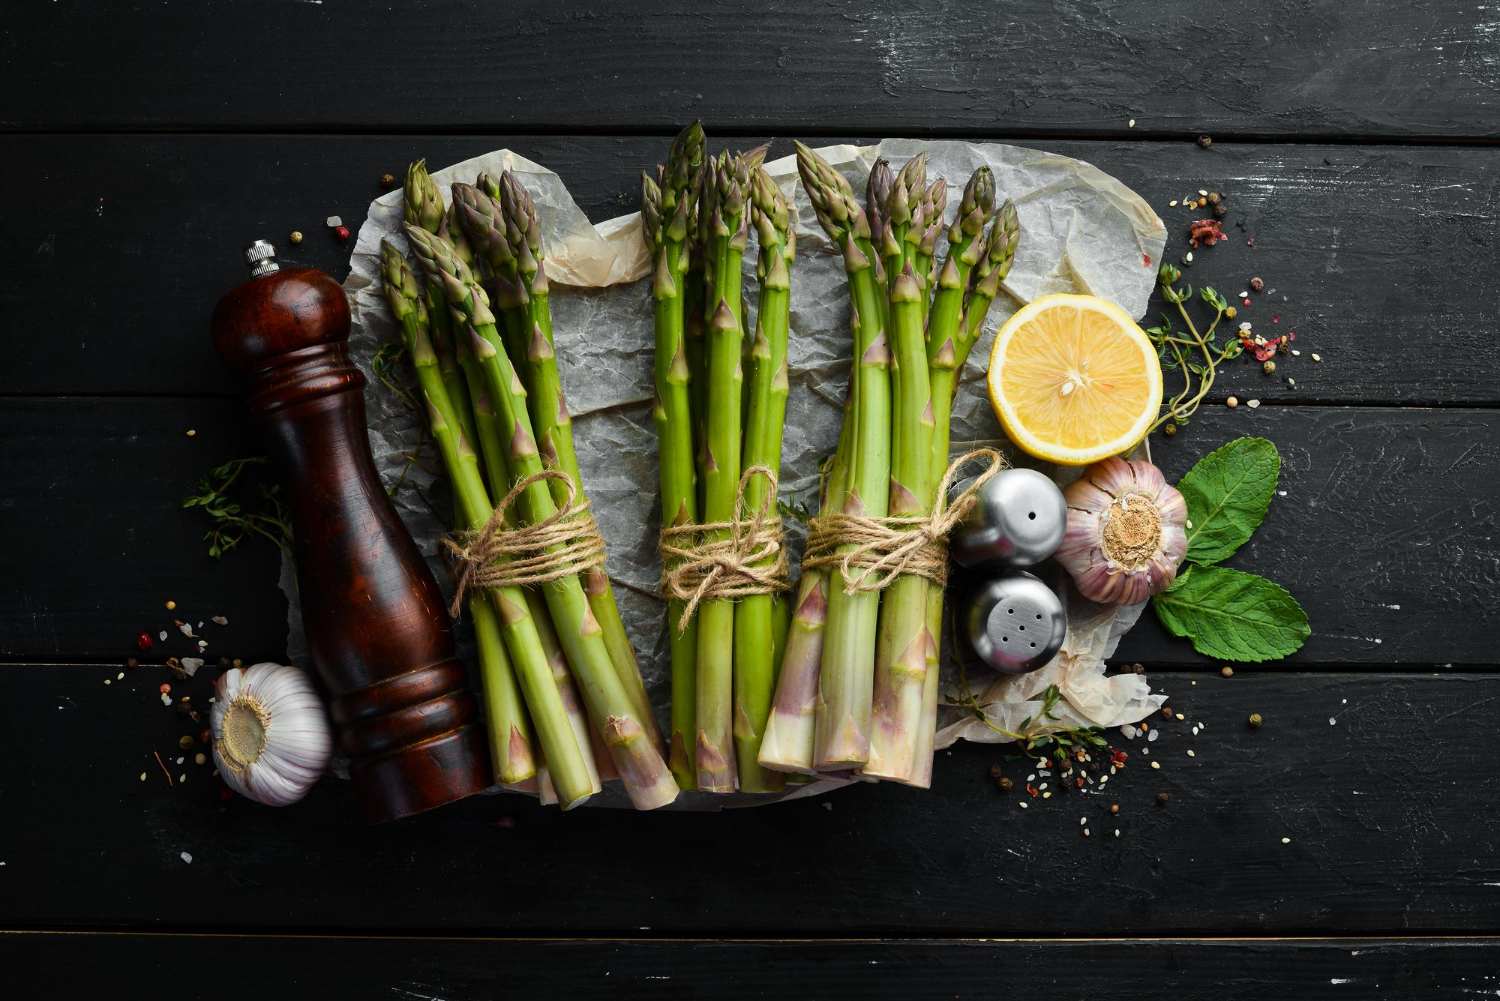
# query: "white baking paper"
1081, 231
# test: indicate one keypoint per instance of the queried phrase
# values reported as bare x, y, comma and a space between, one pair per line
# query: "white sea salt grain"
186, 857
1192, 753
1253, 404
219, 620
162, 635
1151, 737
1286, 841
1023, 804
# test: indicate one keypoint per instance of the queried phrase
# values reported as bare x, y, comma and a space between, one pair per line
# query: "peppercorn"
1255, 720
387, 182
1166, 712
185, 742
294, 237
995, 772
238, 663
1221, 210
1227, 671
1231, 312
171, 604
223, 663
1114, 808
1170, 430
1269, 367
1232, 402
1257, 283
1137, 668
1162, 797
1214, 198
1205, 141
131, 663
342, 232
1006, 785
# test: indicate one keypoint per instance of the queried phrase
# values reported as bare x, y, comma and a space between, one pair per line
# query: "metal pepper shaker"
1017, 521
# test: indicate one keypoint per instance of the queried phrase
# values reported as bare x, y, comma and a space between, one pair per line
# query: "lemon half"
1073, 379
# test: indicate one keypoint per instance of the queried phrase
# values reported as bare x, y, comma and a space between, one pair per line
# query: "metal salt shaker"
1014, 623
1017, 521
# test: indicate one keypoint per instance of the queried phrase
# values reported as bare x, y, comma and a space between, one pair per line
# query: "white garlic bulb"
1126, 532
271, 736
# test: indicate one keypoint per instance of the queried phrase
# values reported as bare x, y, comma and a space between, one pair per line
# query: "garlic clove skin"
1127, 532
271, 736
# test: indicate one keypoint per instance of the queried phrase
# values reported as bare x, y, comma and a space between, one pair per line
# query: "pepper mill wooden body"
376, 625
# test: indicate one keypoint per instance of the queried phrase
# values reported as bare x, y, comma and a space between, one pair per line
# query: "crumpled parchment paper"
1082, 231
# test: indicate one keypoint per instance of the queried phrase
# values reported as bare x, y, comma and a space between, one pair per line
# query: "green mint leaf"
1227, 494
1232, 615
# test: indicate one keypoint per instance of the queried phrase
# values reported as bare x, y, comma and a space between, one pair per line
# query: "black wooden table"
1345, 849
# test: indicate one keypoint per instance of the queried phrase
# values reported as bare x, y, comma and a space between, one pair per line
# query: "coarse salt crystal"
1085, 832
143, 776
1130, 124
1046, 795
1203, 192
1151, 737
162, 635
106, 681
1253, 404
1188, 257
1172, 203
219, 620
1286, 841
1180, 716
1316, 357
190, 665
1333, 721
166, 700
1117, 832
178, 761
1156, 765
186, 857
333, 221
1192, 753
1296, 353
1129, 731
1023, 804
120, 676
186, 628
1082, 821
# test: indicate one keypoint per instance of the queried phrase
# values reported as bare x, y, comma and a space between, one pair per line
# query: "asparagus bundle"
857, 690
526, 666
720, 407
623, 728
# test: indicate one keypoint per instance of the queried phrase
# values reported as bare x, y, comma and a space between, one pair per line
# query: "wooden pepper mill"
376, 624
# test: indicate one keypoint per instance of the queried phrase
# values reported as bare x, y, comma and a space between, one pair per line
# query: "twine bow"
564, 544
750, 559
878, 550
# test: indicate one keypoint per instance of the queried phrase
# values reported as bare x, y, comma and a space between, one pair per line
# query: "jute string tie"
700, 564
564, 544
878, 550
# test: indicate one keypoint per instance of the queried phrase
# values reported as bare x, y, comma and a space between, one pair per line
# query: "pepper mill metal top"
261, 257
1017, 521
1014, 623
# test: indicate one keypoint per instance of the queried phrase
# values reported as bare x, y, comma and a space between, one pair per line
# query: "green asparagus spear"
725, 205
847, 668
668, 210
754, 618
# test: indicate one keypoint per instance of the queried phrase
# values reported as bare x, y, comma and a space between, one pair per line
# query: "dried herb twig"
1197, 355
218, 496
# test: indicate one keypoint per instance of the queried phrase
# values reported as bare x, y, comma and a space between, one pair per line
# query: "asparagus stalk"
725, 195
842, 734
423, 206
508, 238
947, 356
563, 754
755, 617
903, 640
638, 761
788, 742
668, 208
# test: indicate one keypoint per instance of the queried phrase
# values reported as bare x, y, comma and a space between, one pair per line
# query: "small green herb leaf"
1227, 494
1231, 615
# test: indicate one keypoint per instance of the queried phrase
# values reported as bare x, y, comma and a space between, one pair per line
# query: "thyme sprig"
1196, 354
220, 495
387, 364
1034, 736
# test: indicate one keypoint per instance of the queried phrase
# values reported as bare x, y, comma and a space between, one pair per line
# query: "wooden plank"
1383, 255
1037, 66
1351, 811
193, 967
1386, 530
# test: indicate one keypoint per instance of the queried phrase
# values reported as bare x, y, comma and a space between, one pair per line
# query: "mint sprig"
1229, 614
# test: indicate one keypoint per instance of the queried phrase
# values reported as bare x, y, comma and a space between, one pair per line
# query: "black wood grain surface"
1282, 68
445, 969
1359, 245
1354, 143
1376, 782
